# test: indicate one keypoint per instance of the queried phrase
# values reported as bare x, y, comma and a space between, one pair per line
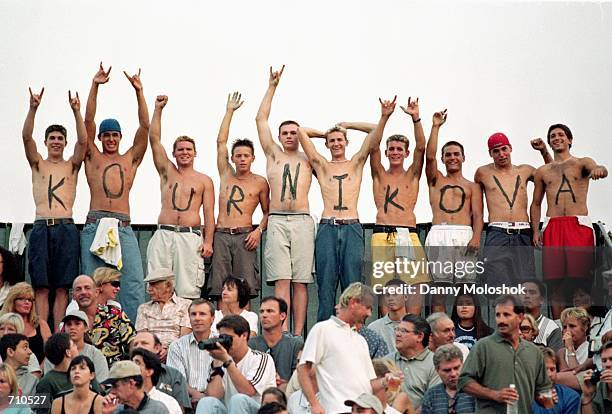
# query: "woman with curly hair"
9, 275
469, 326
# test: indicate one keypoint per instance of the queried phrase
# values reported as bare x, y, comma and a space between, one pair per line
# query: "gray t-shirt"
284, 353
147, 406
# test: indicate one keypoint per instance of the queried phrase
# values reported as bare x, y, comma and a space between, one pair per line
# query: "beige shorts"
289, 250
179, 253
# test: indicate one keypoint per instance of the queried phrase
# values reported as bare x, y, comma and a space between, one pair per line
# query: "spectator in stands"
443, 332
596, 397
235, 296
414, 358
166, 314
20, 300
377, 347
365, 404
238, 374
393, 399
272, 408
171, 381
81, 372
151, 369
8, 390
273, 394
583, 299
283, 347
528, 328
549, 332
13, 323
576, 323
339, 356
15, 351
502, 359
567, 400
9, 275
185, 355
127, 391
107, 281
396, 309
469, 326
444, 398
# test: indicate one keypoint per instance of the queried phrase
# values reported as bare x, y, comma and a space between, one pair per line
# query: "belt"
338, 222
235, 230
509, 231
180, 229
288, 214
122, 223
53, 221
392, 229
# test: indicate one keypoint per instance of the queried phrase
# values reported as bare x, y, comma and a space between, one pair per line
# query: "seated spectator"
9, 275
150, 368
393, 399
126, 382
377, 347
171, 381
396, 309
549, 333
414, 358
528, 328
13, 323
469, 326
283, 347
15, 352
272, 408
444, 398
235, 297
273, 394
238, 375
20, 300
443, 332
81, 399
576, 323
365, 404
185, 355
568, 400
597, 396
108, 284
9, 391
75, 324
166, 314
583, 299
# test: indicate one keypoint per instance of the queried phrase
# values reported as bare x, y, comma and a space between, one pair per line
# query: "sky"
514, 67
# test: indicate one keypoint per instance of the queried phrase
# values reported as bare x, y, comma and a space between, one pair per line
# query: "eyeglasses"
525, 328
31, 300
403, 330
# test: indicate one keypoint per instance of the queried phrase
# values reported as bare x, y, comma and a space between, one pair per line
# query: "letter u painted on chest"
174, 203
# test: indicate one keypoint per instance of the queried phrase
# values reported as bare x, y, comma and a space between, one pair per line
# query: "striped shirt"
258, 368
189, 360
436, 401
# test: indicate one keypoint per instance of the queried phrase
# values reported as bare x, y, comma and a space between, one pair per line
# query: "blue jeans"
132, 292
239, 404
338, 253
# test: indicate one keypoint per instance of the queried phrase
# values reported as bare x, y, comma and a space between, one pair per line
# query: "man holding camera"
238, 375
597, 386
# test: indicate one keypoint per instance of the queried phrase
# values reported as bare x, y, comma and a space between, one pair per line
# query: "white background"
515, 67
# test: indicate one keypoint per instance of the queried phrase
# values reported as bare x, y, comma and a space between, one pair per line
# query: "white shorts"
445, 248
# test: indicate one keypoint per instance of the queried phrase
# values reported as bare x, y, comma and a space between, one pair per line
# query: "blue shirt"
436, 399
569, 402
376, 344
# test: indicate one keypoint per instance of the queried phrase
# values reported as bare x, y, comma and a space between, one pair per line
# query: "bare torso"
289, 176
395, 196
110, 179
54, 188
340, 183
451, 200
505, 191
238, 199
182, 197
566, 184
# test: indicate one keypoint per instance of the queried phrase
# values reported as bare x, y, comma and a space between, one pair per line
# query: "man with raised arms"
456, 204
289, 246
110, 176
339, 241
53, 251
565, 182
507, 245
235, 239
395, 194
179, 244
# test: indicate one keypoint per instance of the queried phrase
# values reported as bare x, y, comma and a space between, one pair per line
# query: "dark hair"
541, 286
78, 360
56, 128
151, 361
607, 345
452, 143
282, 305
271, 408
565, 129
243, 143
278, 393
236, 323
10, 273
200, 301
517, 304
287, 122
396, 282
482, 329
420, 326
56, 347
244, 290
10, 341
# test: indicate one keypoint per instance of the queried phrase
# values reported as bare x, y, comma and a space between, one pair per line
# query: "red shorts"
568, 249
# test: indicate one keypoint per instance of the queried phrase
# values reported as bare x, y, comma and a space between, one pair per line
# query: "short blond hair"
580, 314
104, 275
533, 323
11, 377
14, 319
184, 138
335, 128
356, 290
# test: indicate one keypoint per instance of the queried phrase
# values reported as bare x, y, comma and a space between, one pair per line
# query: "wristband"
227, 363
417, 121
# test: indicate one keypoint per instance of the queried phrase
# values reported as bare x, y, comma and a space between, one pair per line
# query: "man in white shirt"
151, 369
238, 375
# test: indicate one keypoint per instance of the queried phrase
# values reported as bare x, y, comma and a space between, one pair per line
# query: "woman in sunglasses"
107, 281
528, 328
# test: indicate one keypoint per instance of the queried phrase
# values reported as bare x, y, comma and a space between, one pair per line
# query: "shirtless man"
178, 244
565, 182
110, 176
289, 249
53, 250
395, 194
339, 241
456, 204
235, 239
507, 245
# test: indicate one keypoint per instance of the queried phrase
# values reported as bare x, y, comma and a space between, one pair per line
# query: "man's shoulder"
258, 343
154, 406
436, 389
171, 372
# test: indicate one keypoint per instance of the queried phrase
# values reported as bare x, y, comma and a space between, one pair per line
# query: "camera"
595, 376
210, 344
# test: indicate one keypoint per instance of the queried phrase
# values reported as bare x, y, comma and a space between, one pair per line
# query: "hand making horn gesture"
387, 107
439, 118
102, 76
412, 109
275, 76
134, 80
35, 99
75, 103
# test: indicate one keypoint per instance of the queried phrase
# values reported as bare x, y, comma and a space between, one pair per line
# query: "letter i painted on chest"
339, 206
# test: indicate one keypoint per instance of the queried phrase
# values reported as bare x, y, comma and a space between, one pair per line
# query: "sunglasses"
26, 299
115, 283
526, 328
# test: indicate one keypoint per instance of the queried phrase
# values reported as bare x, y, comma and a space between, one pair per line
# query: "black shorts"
508, 256
53, 255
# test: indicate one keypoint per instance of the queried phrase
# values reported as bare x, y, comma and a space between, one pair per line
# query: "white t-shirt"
341, 361
258, 368
251, 318
171, 404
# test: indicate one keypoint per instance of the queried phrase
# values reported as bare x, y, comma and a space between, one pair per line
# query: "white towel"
403, 244
17, 240
106, 243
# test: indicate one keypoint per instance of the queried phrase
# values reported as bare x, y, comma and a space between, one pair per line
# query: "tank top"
37, 345
91, 410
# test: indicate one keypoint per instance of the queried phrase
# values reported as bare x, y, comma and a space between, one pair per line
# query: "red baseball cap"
497, 140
